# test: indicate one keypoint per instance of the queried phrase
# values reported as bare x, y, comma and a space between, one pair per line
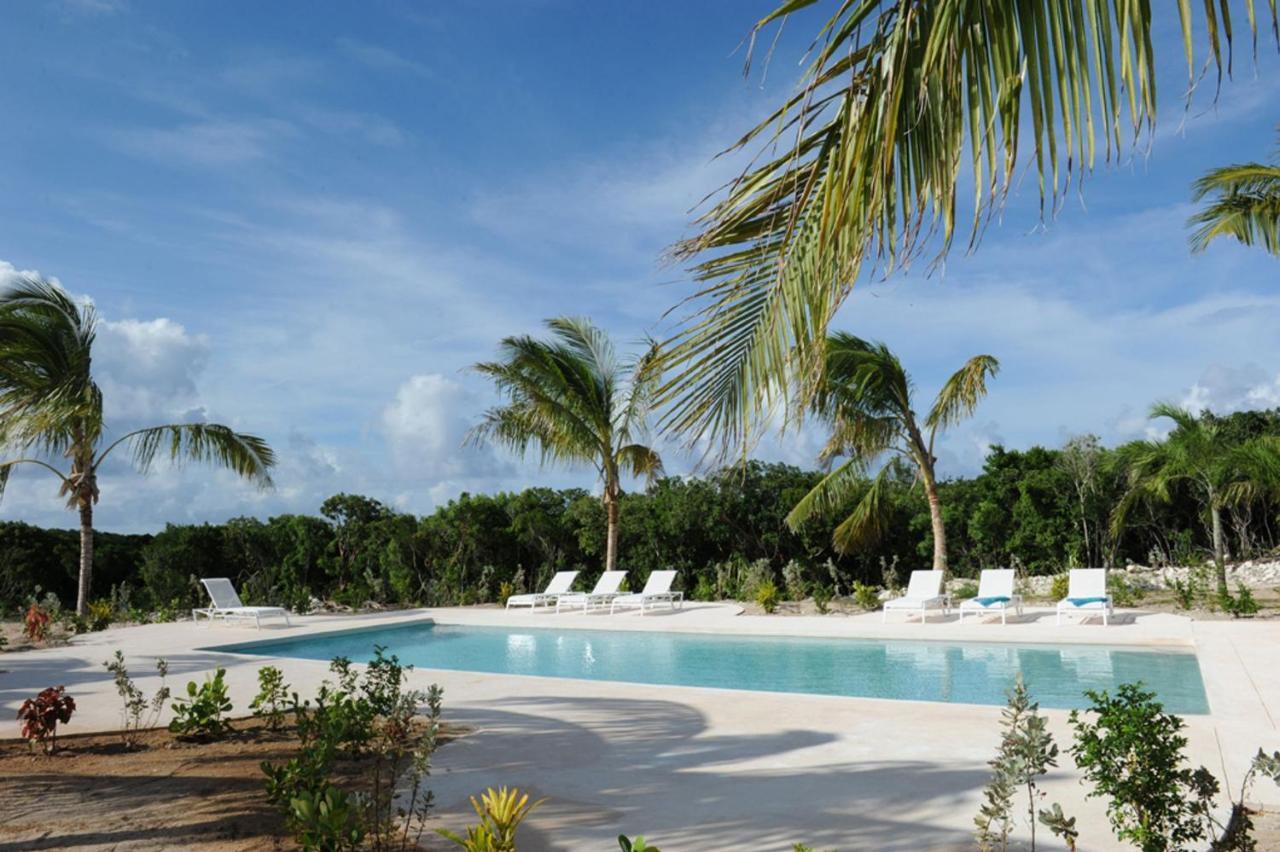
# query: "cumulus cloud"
426, 426
148, 368
1224, 389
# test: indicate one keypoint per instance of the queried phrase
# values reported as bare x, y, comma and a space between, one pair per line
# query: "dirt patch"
94, 794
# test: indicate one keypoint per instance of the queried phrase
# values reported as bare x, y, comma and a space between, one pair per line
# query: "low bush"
272, 699
500, 811
1059, 586
964, 591
200, 713
865, 597
793, 580
766, 595
36, 623
137, 712
100, 614
1131, 753
1242, 605
705, 589
1185, 592
505, 590
821, 598
1124, 593
40, 716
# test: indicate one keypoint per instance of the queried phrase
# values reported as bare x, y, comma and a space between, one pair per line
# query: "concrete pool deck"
708, 769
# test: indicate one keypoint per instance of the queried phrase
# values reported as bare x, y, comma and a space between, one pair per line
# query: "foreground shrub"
1242, 605
272, 699
1130, 751
137, 713
100, 614
822, 598
1026, 753
501, 811
626, 844
41, 715
199, 714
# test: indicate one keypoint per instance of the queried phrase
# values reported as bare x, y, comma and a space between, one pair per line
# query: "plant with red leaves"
36, 622
40, 716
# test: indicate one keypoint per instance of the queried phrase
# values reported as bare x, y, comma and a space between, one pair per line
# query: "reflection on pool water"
962, 672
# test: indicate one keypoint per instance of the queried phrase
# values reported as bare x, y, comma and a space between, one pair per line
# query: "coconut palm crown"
1242, 202
577, 403
866, 397
51, 409
864, 165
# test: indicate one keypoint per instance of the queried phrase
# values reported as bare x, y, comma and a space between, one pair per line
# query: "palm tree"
863, 164
51, 407
572, 398
866, 396
1245, 206
1201, 456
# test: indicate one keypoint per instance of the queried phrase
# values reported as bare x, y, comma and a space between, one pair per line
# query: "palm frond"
1245, 206
833, 492
962, 392
247, 455
861, 166
639, 460
869, 520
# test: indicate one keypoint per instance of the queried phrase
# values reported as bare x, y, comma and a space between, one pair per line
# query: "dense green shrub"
1060, 586
201, 713
766, 595
865, 596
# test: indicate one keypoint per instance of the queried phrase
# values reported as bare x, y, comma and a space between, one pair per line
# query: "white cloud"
219, 142
426, 425
148, 368
1224, 389
381, 58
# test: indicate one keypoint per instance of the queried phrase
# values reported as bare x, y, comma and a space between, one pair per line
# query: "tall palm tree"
51, 407
862, 166
1201, 456
572, 398
866, 396
1244, 205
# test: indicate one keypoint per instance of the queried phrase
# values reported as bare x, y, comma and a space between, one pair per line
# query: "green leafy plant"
500, 811
766, 595
1131, 753
1185, 592
793, 580
100, 614
1123, 592
326, 820
200, 713
638, 844
272, 700
505, 590
964, 591
865, 596
41, 715
705, 589
821, 598
1241, 605
1027, 752
1059, 586
137, 712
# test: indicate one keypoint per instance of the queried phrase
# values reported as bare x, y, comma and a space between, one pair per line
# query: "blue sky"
307, 219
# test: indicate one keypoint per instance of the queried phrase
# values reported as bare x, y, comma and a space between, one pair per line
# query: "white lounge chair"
995, 593
558, 586
924, 592
657, 589
227, 605
605, 591
1086, 592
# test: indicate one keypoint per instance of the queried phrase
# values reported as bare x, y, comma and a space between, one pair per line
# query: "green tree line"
1040, 510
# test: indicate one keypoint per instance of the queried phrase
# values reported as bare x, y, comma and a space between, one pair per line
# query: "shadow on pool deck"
653, 768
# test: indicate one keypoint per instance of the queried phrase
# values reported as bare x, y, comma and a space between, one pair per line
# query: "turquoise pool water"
970, 672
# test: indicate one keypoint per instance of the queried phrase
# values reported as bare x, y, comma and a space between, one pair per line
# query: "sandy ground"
93, 793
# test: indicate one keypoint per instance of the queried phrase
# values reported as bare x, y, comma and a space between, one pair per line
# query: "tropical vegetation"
577, 403
866, 396
1240, 202
51, 407
1038, 509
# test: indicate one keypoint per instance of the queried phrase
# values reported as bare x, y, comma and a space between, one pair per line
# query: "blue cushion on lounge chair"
994, 599
1084, 601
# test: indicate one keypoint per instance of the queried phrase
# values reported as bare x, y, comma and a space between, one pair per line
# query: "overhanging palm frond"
247, 455
861, 166
1244, 205
962, 392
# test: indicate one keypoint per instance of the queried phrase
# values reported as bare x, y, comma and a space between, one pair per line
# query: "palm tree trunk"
611, 537
939, 530
1219, 549
86, 556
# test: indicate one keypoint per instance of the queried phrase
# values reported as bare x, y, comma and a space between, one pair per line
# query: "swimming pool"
958, 672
